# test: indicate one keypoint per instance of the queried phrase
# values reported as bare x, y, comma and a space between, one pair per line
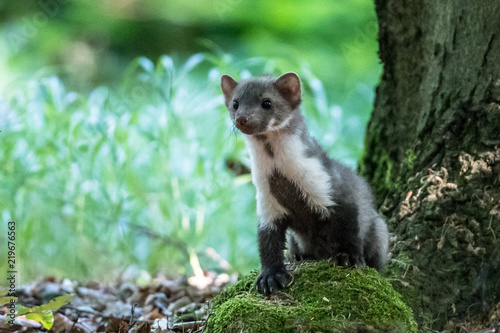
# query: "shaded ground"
162, 306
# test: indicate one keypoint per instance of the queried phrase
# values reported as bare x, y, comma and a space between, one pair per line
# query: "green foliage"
89, 41
133, 169
81, 173
321, 298
137, 174
4, 298
43, 313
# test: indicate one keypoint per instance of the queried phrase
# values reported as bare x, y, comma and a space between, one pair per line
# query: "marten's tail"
376, 243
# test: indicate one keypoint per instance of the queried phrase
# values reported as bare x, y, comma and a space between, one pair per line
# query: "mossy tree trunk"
433, 153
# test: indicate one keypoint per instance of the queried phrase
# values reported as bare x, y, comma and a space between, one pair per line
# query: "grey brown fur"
322, 207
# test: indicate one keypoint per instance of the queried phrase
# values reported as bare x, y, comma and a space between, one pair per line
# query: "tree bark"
432, 154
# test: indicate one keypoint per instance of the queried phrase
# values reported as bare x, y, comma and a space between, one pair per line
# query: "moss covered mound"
321, 298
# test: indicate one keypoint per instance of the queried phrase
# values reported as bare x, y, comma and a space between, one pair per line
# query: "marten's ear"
228, 84
288, 85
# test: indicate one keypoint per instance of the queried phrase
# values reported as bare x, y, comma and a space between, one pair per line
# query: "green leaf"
43, 313
46, 318
56, 303
6, 300
21, 310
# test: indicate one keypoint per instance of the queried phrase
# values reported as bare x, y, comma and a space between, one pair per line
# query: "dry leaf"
116, 325
141, 327
61, 323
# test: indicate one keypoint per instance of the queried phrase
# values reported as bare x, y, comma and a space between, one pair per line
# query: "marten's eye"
235, 105
266, 104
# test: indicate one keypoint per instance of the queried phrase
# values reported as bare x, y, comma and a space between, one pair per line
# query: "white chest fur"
290, 159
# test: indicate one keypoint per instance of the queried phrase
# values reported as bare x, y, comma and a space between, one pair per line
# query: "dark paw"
270, 281
348, 260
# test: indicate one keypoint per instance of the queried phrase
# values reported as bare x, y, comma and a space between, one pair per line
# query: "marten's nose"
241, 121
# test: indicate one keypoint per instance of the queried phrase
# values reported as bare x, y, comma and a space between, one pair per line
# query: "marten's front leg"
272, 241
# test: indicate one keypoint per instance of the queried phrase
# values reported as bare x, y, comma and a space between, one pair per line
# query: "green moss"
382, 177
322, 298
399, 274
411, 157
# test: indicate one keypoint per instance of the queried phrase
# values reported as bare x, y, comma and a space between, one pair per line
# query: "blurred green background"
116, 149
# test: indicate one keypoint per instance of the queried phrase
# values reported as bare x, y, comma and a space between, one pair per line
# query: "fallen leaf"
61, 323
116, 325
141, 327
46, 318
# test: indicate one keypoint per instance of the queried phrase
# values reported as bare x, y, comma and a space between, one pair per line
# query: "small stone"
160, 326
188, 308
183, 301
156, 298
68, 286
50, 290
126, 291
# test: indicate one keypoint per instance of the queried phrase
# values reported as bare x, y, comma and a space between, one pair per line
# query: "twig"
188, 324
92, 311
208, 316
74, 324
131, 321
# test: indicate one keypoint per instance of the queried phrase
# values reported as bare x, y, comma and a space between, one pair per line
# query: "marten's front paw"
270, 281
348, 260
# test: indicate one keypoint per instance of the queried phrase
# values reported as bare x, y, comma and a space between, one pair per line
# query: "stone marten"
324, 208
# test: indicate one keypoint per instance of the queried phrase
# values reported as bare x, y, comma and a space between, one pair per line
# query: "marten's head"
262, 104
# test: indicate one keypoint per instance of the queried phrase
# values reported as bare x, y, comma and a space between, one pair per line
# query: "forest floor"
161, 306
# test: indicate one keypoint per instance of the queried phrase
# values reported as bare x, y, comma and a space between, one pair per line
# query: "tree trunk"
432, 154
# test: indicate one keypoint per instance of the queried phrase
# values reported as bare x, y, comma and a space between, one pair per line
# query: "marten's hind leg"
293, 252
